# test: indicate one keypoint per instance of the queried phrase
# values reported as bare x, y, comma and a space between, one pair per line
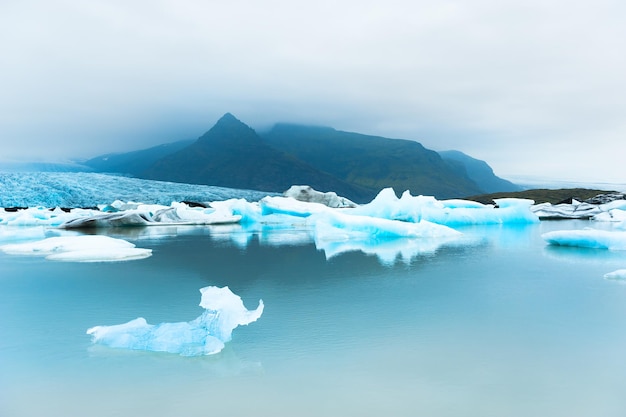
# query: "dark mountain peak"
228, 118
229, 128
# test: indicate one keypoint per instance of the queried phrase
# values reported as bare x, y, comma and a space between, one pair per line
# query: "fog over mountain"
354, 165
535, 88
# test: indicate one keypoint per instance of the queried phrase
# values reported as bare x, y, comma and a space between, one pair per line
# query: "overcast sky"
532, 87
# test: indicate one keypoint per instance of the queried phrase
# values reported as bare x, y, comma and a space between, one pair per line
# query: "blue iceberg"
206, 335
587, 238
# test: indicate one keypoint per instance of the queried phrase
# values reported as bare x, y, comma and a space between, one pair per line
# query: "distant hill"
231, 154
543, 195
135, 162
480, 172
373, 162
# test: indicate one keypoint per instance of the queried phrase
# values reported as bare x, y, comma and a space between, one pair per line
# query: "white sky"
532, 87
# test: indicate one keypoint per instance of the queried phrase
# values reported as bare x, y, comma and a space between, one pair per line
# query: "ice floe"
598, 208
619, 275
587, 238
86, 248
451, 212
206, 335
308, 194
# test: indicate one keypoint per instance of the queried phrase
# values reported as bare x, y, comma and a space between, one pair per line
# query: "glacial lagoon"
497, 323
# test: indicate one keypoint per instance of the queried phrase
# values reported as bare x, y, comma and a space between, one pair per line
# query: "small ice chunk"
308, 194
619, 275
290, 206
206, 335
87, 248
587, 238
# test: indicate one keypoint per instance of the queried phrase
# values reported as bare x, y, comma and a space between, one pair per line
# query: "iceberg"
206, 335
619, 275
336, 232
333, 225
575, 210
450, 213
308, 194
89, 248
594, 209
151, 215
587, 238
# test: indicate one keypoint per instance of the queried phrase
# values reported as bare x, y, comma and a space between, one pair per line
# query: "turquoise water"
496, 325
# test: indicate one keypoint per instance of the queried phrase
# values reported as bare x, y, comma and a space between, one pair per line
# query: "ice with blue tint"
13, 234
451, 213
587, 238
290, 206
333, 225
206, 335
618, 275
86, 189
88, 248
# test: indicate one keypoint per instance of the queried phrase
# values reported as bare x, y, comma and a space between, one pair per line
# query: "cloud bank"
534, 88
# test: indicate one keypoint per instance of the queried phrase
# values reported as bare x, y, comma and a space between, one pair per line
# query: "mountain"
356, 166
231, 154
480, 172
135, 162
373, 162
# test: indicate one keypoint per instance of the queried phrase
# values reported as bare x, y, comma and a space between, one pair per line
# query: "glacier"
88, 189
206, 335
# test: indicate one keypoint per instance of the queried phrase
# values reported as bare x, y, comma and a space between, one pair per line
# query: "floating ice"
619, 275
451, 212
90, 248
336, 232
41, 216
587, 238
11, 234
206, 335
308, 194
581, 210
333, 225
576, 210
151, 215
290, 206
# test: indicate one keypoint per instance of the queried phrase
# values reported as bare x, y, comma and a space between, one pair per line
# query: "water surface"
498, 324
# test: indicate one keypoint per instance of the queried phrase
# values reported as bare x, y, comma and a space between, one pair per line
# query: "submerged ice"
206, 335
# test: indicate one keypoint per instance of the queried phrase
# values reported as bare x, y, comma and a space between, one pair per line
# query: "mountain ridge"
357, 166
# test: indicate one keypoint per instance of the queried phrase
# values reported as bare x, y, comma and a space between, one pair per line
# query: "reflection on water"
496, 323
